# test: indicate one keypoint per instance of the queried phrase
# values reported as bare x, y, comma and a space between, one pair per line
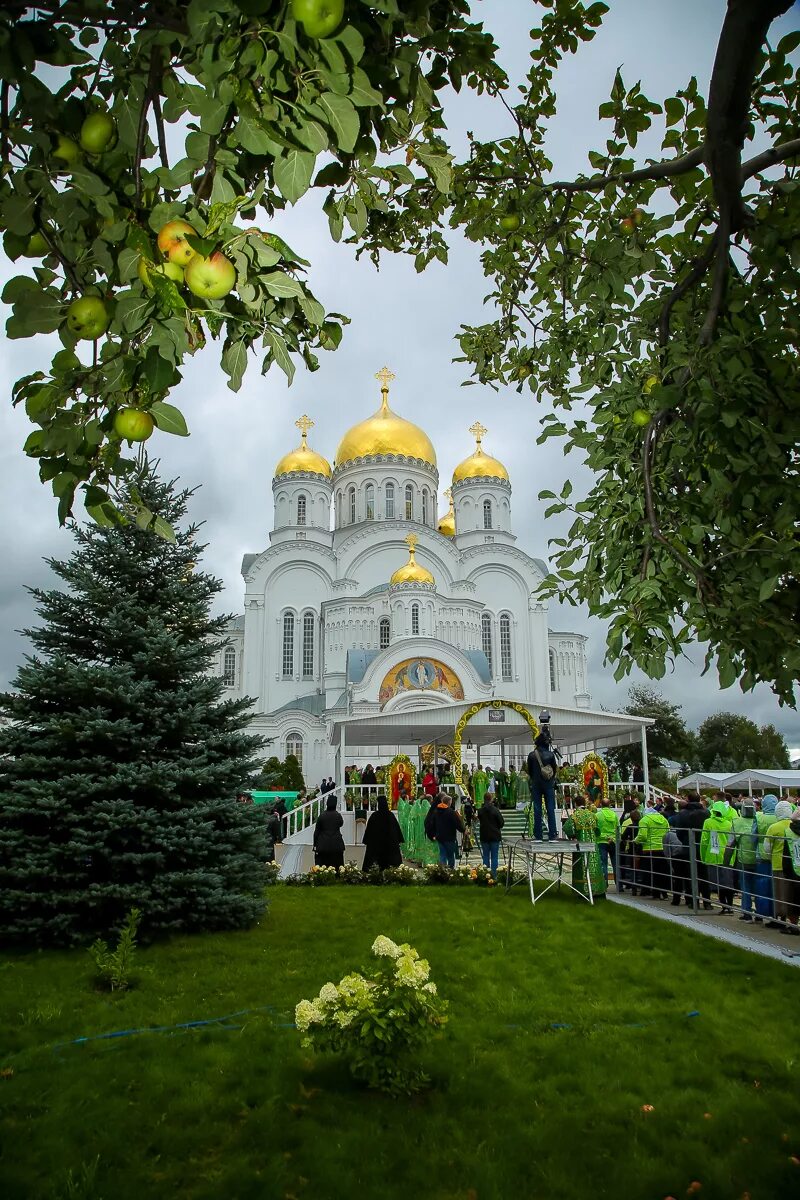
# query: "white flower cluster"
385, 947
411, 971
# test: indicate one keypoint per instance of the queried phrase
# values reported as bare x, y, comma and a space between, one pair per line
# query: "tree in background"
667, 739
658, 293
728, 742
121, 762
277, 776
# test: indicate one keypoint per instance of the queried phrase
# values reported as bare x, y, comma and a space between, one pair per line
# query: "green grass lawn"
519, 1108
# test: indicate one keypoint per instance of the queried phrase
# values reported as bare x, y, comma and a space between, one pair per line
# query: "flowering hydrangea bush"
322, 876
466, 875
378, 1021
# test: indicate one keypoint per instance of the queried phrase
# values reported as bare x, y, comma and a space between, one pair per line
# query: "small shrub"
378, 1021
404, 875
322, 876
271, 873
351, 873
438, 873
114, 966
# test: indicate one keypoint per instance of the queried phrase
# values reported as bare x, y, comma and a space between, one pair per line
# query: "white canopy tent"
703, 779
574, 730
770, 781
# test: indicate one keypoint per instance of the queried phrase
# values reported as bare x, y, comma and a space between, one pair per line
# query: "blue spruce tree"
120, 761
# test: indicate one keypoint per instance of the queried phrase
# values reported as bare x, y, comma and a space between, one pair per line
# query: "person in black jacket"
273, 832
689, 819
328, 840
447, 824
541, 762
383, 839
490, 820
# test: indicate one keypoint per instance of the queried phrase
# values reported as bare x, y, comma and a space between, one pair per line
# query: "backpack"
547, 771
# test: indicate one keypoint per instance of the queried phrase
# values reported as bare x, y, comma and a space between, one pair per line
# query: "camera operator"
543, 776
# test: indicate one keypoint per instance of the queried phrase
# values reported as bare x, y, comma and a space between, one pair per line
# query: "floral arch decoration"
594, 777
467, 717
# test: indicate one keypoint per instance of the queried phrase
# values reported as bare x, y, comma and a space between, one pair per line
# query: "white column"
645, 768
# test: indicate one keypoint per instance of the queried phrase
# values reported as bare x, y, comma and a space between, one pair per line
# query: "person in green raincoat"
717, 844
581, 825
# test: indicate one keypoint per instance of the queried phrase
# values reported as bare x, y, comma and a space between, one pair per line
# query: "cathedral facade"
367, 601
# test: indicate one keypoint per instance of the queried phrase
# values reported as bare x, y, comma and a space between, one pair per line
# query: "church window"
424, 506
308, 646
409, 502
505, 647
369, 500
486, 639
229, 667
389, 501
553, 672
338, 509
383, 633
351, 503
415, 620
288, 645
294, 745
301, 509
487, 514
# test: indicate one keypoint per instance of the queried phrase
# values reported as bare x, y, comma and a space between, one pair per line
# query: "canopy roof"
741, 780
573, 729
704, 779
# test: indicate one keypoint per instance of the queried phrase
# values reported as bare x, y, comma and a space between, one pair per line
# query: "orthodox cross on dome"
477, 430
411, 540
448, 495
304, 423
384, 377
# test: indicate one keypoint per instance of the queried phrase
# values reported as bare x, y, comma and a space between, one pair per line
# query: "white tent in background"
771, 781
704, 779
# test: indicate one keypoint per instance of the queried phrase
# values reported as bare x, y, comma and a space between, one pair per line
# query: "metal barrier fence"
754, 876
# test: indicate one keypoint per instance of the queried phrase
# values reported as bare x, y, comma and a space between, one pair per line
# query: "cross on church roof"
477, 430
384, 377
411, 540
448, 493
304, 423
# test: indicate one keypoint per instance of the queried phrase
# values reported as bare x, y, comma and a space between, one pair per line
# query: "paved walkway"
771, 943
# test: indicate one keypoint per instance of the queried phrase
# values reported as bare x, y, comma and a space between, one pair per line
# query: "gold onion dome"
447, 525
412, 572
479, 465
303, 458
385, 433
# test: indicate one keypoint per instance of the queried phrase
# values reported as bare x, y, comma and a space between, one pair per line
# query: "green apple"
319, 18
37, 246
67, 152
171, 270
173, 244
510, 222
649, 383
641, 417
133, 424
88, 318
212, 278
98, 133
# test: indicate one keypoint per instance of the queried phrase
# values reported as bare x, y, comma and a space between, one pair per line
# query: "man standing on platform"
542, 773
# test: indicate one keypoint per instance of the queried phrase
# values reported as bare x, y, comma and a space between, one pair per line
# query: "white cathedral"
366, 601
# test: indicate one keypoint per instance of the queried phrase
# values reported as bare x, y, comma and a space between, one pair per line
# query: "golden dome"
385, 433
447, 525
412, 572
479, 465
303, 459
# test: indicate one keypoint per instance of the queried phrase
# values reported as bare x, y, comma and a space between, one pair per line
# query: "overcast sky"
407, 322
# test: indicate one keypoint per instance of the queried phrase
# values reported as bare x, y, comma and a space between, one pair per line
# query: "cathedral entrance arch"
471, 712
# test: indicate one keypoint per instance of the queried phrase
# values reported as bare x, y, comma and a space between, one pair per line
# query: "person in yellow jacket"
717, 848
607, 826
790, 867
654, 877
772, 850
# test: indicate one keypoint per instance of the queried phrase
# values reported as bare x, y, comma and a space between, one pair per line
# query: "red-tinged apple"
173, 244
98, 133
170, 270
627, 225
319, 18
133, 424
638, 216
88, 318
211, 278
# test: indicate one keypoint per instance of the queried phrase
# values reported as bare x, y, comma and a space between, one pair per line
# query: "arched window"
308, 646
351, 504
338, 510
288, 645
383, 632
229, 667
369, 501
553, 672
301, 509
409, 502
415, 620
294, 745
487, 514
505, 647
486, 639
389, 501
424, 506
